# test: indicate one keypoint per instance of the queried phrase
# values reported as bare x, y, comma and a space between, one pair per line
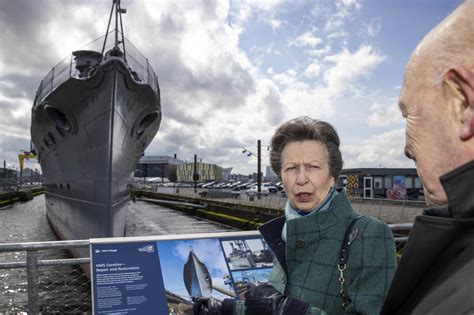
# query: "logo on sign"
147, 248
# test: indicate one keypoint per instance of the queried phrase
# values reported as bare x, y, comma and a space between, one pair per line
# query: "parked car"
279, 186
207, 185
270, 187
182, 185
252, 191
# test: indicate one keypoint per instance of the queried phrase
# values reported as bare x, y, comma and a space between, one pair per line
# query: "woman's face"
305, 173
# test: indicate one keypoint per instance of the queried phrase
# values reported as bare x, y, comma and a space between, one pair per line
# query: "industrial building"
158, 166
390, 183
205, 171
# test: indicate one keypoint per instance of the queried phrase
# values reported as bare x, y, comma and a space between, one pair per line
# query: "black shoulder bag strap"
343, 256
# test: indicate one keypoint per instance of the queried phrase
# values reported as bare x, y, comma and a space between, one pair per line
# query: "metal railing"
33, 263
66, 68
9, 184
388, 211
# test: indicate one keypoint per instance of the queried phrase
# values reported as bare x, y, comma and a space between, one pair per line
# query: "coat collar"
271, 231
458, 187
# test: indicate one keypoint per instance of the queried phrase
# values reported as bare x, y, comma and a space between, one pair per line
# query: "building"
390, 183
8, 172
205, 171
158, 166
240, 177
270, 174
254, 176
226, 173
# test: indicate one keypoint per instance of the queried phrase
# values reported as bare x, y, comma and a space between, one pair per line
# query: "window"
417, 182
378, 182
368, 182
388, 182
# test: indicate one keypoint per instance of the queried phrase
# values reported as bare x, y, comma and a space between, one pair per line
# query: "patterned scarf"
292, 213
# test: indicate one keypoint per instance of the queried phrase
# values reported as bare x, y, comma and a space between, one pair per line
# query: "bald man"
436, 272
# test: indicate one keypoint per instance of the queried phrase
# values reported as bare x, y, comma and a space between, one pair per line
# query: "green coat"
310, 258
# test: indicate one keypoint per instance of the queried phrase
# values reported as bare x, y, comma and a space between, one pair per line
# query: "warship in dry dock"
93, 116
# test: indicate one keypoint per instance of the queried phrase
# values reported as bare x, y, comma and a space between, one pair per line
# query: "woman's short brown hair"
306, 128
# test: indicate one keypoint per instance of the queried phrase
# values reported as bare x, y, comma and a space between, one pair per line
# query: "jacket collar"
271, 233
458, 187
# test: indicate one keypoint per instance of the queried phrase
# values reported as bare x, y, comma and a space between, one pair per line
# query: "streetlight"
195, 173
259, 165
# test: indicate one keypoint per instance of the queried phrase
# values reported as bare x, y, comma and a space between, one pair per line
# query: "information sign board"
165, 274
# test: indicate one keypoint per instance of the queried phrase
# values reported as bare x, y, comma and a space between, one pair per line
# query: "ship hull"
90, 133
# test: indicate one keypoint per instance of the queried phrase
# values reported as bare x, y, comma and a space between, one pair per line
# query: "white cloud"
264, 10
382, 115
319, 52
350, 3
345, 9
384, 149
306, 40
348, 66
312, 70
374, 27
338, 35
286, 78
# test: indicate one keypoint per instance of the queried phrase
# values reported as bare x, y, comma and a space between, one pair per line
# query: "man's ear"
460, 83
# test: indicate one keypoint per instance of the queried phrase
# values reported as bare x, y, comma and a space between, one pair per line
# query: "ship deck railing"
49, 282
66, 68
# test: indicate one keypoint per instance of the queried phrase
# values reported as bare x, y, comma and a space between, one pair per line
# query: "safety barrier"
388, 211
59, 285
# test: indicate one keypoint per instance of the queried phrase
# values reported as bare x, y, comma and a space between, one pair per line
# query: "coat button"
299, 243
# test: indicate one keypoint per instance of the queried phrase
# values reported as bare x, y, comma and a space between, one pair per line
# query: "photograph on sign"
242, 278
247, 253
193, 269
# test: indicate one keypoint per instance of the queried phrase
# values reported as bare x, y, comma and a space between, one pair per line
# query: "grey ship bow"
93, 116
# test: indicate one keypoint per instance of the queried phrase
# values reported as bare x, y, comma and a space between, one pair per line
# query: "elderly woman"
329, 258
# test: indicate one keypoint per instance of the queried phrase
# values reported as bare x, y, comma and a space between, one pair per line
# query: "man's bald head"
449, 44
437, 100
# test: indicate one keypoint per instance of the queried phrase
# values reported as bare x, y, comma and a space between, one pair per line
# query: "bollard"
32, 278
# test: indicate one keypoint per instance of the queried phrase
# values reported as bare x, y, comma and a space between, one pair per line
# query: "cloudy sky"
230, 71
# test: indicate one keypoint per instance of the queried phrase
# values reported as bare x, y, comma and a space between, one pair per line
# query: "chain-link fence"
40, 278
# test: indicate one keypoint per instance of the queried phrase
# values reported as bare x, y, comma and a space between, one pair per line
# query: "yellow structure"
206, 171
23, 156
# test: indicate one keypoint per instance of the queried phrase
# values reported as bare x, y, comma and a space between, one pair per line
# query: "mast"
117, 8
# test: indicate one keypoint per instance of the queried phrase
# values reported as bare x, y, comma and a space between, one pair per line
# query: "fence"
388, 211
49, 285
59, 285
9, 184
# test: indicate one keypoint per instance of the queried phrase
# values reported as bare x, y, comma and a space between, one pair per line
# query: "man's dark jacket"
436, 272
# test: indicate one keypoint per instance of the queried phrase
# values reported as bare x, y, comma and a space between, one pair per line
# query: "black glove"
210, 306
265, 299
